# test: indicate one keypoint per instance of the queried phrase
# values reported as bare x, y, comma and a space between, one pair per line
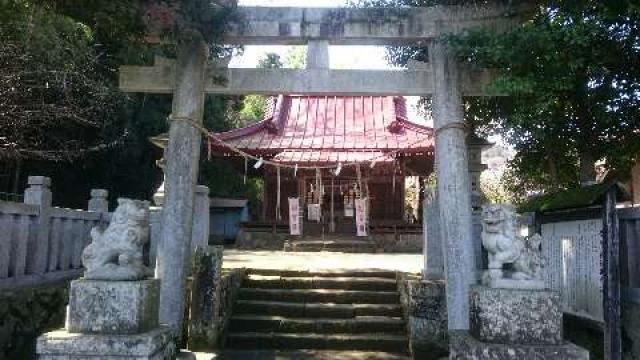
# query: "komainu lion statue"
505, 246
117, 252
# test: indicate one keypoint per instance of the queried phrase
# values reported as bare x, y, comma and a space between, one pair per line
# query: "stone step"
376, 273
284, 341
349, 246
308, 355
357, 325
317, 282
320, 295
315, 310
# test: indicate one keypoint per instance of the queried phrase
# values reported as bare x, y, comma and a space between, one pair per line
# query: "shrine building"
329, 151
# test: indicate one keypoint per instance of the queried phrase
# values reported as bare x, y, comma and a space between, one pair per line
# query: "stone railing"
41, 244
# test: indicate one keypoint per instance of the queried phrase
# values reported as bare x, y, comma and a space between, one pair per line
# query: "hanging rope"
246, 165
393, 180
359, 177
454, 125
213, 138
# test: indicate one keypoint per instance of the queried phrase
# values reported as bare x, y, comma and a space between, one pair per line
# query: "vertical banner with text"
294, 217
361, 217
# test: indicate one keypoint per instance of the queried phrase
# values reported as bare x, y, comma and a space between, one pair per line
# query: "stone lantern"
160, 141
475, 145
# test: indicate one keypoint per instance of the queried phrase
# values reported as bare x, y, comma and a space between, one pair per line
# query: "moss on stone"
25, 314
586, 196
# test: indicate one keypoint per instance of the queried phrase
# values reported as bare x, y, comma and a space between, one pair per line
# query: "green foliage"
253, 108
583, 197
572, 75
54, 102
25, 315
573, 78
75, 48
494, 185
270, 61
296, 58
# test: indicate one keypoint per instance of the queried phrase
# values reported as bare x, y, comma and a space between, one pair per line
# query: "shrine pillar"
183, 154
454, 198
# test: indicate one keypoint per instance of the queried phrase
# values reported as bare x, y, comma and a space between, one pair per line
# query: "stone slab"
63, 345
425, 311
113, 307
517, 284
515, 316
462, 346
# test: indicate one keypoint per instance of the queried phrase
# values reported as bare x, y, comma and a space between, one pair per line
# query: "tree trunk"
553, 170
587, 168
16, 176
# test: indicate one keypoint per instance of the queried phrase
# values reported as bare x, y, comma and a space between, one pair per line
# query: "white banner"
294, 217
361, 217
314, 212
348, 209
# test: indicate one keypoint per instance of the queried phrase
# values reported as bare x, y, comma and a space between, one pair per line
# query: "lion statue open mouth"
117, 252
505, 246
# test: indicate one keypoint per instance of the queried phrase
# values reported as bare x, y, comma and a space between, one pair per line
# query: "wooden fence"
629, 227
573, 249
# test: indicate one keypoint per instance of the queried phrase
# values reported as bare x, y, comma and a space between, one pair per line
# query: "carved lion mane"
504, 245
116, 253
499, 234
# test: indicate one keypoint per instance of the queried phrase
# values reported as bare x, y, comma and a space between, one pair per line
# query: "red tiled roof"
345, 123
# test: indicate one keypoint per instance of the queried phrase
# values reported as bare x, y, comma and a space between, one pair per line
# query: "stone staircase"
346, 244
334, 315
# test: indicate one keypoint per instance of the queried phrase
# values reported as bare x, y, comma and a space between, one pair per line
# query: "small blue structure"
225, 218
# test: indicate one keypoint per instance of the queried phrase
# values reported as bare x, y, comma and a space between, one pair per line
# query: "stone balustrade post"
99, 201
433, 252
39, 191
200, 234
39, 194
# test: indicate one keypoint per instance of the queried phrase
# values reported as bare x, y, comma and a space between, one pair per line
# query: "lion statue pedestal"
512, 315
113, 310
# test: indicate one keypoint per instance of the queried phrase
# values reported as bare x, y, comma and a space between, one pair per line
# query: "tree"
70, 121
296, 57
572, 75
254, 105
53, 105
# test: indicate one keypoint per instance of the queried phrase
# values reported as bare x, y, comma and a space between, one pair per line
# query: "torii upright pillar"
454, 195
183, 155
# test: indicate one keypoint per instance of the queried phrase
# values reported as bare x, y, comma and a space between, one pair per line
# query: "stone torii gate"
190, 77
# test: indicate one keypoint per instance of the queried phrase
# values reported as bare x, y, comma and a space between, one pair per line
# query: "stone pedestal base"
62, 345
462, 346
425, 308
113, 307
515, 316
